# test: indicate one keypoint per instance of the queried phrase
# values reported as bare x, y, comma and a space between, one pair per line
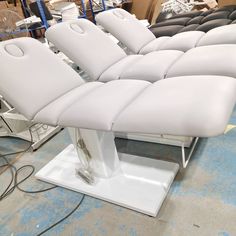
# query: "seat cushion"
183, 41
154, 45
51, 113
197, 106
153, 66
206, 60
114, 72
99, 109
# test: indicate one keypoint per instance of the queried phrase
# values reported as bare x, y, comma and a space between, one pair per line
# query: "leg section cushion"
219, 35
197, 106
98, 109
207, 60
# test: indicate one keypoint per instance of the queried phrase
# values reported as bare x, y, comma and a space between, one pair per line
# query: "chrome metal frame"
184, 160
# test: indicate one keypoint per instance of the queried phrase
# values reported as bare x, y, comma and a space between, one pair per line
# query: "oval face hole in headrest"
14, 50
119, 15
76, 28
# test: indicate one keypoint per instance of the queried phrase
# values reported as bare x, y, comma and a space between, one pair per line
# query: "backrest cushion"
86, 45
126, 28
32, 76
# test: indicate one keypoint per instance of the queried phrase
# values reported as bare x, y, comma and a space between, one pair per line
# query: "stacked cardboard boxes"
146, 9
17, 8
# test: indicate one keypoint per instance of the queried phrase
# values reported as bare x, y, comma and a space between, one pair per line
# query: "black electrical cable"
8, 190
24, 179
65, 217
15, 171
12, 168
14, 179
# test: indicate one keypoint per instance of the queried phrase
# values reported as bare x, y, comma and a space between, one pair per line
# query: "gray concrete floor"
202, 200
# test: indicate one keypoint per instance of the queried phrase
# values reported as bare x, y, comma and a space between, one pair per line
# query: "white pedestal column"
135, 182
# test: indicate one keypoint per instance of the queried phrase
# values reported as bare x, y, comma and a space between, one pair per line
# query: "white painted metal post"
101, 146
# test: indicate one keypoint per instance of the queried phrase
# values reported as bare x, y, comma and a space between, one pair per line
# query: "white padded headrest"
126, 28
85, 44
42, 76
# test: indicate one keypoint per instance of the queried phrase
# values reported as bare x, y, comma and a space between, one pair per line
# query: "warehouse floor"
201, 201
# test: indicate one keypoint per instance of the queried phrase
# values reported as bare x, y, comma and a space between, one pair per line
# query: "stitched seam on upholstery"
196, 44
59, 117
172, 64
61, 95
114, 64
138, 59
128, 103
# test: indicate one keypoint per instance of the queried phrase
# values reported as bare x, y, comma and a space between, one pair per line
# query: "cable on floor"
16, 182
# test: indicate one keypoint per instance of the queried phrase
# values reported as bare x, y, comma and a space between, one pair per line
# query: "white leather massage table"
140, 40
198, 106
103, 60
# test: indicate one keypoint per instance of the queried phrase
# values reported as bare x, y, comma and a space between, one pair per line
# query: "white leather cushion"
154, 45
219, 35
206, 60
99, 109
183, 41
51, 113
114, 72
198, 106
153, 66
86, 45
126, 28
41, 76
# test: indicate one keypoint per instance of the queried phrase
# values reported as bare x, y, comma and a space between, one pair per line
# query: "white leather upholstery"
86, 45
154, 45
62, 103
126, 31
183, 41
206, 60
191, 106
99, 109
17, 59
115, 71
224, 34
126, 28
153, 66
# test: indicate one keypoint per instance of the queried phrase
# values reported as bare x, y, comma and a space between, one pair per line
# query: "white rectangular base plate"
141, 184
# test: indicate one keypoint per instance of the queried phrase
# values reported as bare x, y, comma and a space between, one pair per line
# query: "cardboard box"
155, 10
141, 8
222, 3
3, 5
17, 9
